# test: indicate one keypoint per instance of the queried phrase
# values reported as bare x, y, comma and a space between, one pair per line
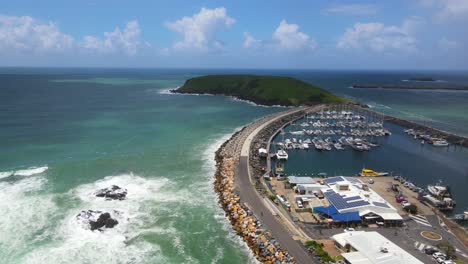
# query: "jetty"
269, 234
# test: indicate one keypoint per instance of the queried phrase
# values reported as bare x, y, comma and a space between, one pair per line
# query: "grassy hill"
265, 90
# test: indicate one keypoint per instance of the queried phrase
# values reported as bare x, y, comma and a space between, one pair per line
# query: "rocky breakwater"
244, 223
262, 139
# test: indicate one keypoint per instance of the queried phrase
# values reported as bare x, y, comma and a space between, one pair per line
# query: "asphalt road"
249, 195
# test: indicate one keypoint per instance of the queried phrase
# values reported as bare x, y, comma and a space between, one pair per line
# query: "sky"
278, 34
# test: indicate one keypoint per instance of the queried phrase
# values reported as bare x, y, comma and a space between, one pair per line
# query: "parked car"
299, 204
400, 199
371, 181
437, 255
380, 223
441, 260
405, 203
430, 250
448, 262
349, 229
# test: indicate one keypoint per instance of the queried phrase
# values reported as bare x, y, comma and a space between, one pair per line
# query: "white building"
361, 247
349, 195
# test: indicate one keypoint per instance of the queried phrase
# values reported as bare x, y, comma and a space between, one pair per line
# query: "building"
352, 200
361, 247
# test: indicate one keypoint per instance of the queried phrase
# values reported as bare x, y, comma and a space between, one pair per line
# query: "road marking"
461, 253
420, 246
420, 219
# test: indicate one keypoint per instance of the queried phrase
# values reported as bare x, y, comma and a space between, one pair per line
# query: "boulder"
112, 193
96, 219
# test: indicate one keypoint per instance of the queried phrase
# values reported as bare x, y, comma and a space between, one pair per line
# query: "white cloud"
126, 40
250, 41
453, 9
447, 9
379, 37
351, 9
288, 37
26, 34
199, 31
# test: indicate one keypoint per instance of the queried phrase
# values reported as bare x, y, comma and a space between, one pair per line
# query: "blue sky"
420, 34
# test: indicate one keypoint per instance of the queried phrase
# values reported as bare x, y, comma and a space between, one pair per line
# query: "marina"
335, 128
395, 156
363, 199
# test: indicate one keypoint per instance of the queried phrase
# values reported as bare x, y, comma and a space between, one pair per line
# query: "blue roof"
335, 215
330, 210
346, 217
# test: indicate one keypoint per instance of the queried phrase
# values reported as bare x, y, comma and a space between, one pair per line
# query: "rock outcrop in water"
112, 193
96, 219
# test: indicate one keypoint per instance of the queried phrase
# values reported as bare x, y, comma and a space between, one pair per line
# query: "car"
380, 223
371, 181
438, 254
405, 203
299, 204
349, 229
430, 250
441, 260
448, 262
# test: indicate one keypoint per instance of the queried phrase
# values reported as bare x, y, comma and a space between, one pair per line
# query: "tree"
413, 209
447, 248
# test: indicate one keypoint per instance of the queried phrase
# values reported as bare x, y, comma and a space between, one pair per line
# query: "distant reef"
409, 87
262, 90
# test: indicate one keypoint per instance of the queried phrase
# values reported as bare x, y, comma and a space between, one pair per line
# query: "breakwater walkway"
268, 236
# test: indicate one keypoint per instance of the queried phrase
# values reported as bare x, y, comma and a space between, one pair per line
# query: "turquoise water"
66, 133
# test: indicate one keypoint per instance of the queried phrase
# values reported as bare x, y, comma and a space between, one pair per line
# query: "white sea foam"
5, 174
24, 172
31, 171
168, 91
124, 243
209, 169
25, 213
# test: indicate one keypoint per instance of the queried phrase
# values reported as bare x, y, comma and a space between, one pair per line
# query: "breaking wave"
24, 172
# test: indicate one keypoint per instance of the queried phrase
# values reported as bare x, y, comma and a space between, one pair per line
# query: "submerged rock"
112, 193
96, 219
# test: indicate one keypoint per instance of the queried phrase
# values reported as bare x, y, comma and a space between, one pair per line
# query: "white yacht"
282, 154
440, 143
338, 146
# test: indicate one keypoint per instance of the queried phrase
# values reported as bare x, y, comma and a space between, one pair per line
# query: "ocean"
66, 133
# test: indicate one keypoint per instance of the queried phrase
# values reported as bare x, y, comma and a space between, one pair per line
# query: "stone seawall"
243, 221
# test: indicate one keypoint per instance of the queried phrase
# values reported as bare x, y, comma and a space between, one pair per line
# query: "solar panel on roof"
381, 204
352, 198
352, 179
340, 203
333, 180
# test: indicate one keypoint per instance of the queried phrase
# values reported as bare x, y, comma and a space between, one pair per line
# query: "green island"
263, 90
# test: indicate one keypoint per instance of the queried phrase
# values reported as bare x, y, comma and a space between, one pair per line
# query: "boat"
440, 143
262, 152
338, 146
371, 173
438, 190
282, 154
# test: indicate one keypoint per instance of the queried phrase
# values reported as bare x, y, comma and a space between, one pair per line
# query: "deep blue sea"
65, 133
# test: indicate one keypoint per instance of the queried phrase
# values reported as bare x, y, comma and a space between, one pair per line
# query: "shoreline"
245, 224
